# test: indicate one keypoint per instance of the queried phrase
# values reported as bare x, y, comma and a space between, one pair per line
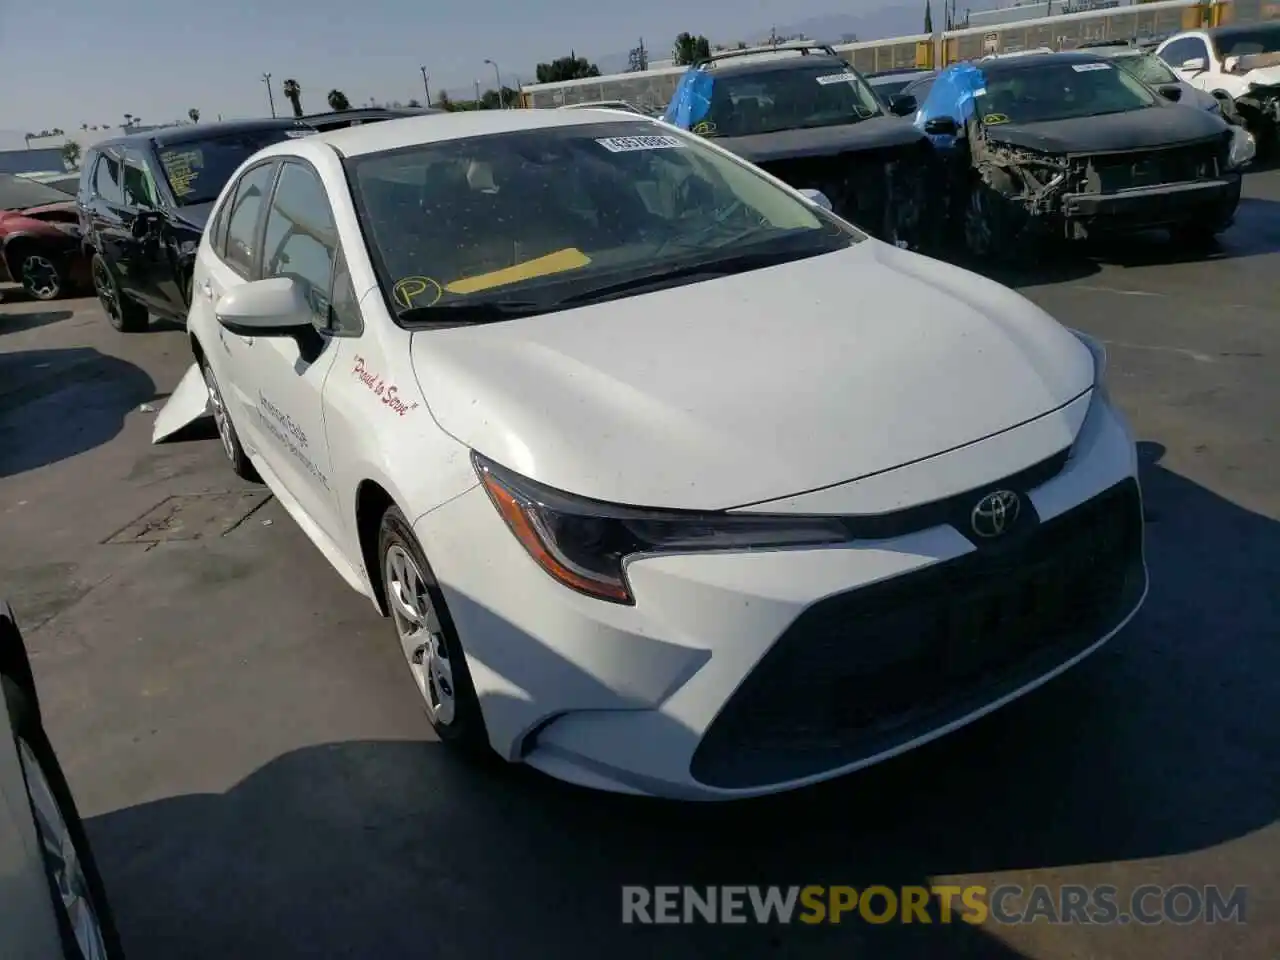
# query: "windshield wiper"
721, 267
479, 311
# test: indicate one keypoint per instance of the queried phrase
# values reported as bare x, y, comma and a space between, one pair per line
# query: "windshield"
1262, 40
550, 215
197, 170
789, 98
1059, 91
1148, 68
889, 87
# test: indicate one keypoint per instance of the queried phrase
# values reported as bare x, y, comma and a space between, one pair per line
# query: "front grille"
863, 671
1149, 168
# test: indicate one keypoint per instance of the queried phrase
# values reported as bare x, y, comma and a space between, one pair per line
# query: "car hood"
67, 206
195, 215
872, 134
1131, 130
756, 386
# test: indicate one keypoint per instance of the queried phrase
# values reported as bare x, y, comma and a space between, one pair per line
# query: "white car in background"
52, 903
671, 481
1240, 63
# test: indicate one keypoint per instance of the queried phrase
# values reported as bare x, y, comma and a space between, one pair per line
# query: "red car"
40, 239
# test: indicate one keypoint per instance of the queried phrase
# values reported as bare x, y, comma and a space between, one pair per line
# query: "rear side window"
244, 210
106, 179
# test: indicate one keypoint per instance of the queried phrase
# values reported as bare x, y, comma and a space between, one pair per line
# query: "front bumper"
1205, 201
739, 674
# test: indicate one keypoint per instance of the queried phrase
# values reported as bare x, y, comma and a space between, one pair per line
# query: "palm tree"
293, 93
194, 115
128, 120
338, 101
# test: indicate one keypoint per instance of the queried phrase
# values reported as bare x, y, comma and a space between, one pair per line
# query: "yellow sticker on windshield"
561, 261
704, 129
991, 119
417, 292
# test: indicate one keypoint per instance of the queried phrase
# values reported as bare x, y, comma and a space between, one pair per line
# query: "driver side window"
301, 239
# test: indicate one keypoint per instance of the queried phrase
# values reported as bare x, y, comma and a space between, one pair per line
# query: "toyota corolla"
671, 481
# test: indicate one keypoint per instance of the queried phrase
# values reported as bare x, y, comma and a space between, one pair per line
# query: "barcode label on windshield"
1086, 67
627, 144
827, 78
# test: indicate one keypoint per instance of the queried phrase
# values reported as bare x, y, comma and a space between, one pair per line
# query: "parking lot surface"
259, 781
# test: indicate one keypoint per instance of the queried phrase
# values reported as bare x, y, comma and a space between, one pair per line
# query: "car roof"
1033, 61
769, 63
360, 114
1236, 29
187, 133
411, 131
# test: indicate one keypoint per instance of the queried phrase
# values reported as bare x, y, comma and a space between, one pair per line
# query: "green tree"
71, 154
445, 102
293, 93
928, 17
338, 100
414, 104
572, 67
690, 49
193, 115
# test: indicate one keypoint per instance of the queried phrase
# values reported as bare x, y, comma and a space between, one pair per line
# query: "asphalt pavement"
259, 781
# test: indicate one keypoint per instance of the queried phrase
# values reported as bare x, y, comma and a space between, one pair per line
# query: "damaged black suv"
807, 117
1066, 145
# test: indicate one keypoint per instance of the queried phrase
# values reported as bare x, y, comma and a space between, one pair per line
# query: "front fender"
188, 403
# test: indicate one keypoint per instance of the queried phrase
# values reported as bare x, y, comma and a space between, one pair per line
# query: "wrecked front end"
883, 190
1074, 195
1261, 102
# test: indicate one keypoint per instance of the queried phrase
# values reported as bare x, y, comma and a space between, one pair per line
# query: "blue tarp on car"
952, 95
692, 100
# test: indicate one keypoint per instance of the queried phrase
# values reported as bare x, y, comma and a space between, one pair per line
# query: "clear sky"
68, 62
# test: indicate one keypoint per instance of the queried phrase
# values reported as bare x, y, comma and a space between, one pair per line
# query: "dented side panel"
188, 403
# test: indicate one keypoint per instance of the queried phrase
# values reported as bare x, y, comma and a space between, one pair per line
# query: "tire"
42, 275
123, 314
75, 886
430, 645
241, 465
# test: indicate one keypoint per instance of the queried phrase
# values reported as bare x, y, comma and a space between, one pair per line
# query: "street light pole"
477, 83
502, 102
266, 78
426, 84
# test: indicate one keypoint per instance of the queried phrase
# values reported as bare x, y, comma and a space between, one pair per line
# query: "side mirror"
275, 307
817, 197
903, 105
1194, 65
1170, 91
942, 126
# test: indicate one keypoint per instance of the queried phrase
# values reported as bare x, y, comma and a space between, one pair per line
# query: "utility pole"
477, 83
773, 37
502, 101
271, 99
426, 84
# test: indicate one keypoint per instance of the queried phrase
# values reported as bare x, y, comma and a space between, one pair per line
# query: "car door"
286, 375
148, 265
234, 244
111, 219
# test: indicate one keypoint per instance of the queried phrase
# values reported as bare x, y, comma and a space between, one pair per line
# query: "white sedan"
52, 902
671, 481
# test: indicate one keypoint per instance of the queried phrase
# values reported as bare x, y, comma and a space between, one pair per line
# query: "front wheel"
80, 906
427, 635
240, 462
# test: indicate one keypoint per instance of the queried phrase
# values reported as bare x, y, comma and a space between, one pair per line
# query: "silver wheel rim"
61, 859
220, 415
40, 277
421, 637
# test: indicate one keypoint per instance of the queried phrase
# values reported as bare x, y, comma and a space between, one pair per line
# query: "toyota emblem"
995, 514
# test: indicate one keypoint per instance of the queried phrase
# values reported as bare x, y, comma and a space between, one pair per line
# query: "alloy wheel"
105, 290
220, 417
61, 859
40, 277
421, 636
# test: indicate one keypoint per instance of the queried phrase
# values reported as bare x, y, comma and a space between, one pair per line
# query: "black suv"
144, 200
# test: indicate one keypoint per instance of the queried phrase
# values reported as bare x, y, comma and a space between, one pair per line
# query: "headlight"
585, 543
1243, 147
